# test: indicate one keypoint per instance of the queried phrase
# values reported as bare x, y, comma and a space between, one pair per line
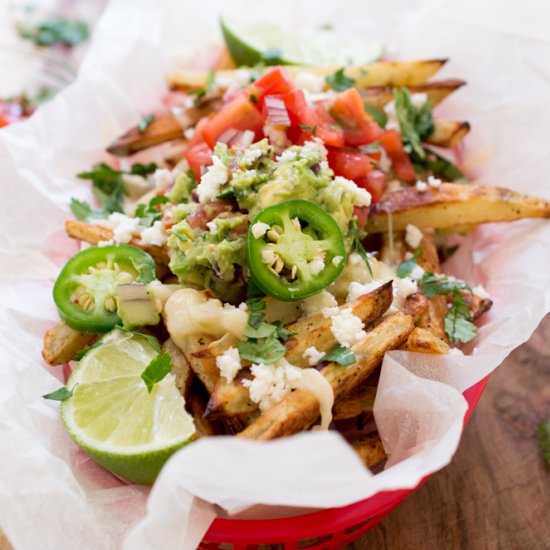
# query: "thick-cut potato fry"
207, 371
315, 330
370, 450
377, 98
382, 73
357, 402
422, 340
166, 126
448, 133
181, 368
61, 343
93, 233
300, 409
195, 404
477, 306
230, 399
453, 204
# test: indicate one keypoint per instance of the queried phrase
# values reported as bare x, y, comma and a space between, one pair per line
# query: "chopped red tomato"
375, 183
274, 82
359, 127
349, 163
198, 156
239, 114
361, 213
401, 163
326, 127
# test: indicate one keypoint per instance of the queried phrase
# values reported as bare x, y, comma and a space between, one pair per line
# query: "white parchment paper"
53, 496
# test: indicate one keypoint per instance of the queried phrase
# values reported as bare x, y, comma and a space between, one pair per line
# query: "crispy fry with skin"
370, 450
93, 233
382, 73
315, 329
195, 405
357, 402
422, 340
448, 133
61, 343
206, 371
377, 98
453, 204
300, 409
181, 368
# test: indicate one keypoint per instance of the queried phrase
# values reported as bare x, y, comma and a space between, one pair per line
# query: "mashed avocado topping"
207, 242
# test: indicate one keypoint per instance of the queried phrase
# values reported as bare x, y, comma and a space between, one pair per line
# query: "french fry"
453, 204
300, 409
206, 371
448, 133
315, 330
477, 306
359, 401
195, 404
370, 450
61, 343
93, 233
422, 340
377, 98
181, 368
382, 73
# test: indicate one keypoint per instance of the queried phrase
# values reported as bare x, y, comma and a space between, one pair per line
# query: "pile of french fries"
219, 407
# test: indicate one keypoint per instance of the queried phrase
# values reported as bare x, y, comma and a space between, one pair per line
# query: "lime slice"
113, 417
268, 43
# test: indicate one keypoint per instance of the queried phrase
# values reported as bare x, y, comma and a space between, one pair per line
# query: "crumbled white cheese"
418, 99
153, 235
434, 182
310, 82
212, 180
356, 289
162, 178
455, 351
287, 156
313, 355
259, 229
421, 186
135, 185
413, 236
361, 197
402, 289
240, 77
250, 155
124, 228
243, 306
392, 122
347, 327
316, 266
100, 244
272, 383
385, 162
337, 260
189, 133
314, 304
480, 292
212, 226
229, 363
417, 272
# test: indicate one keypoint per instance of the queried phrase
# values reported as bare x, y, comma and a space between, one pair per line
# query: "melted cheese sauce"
313, 381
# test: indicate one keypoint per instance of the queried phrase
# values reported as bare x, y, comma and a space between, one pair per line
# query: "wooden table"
496, 492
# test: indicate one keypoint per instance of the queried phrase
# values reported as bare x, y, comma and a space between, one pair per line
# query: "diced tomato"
197, 134
198, 156
274, 82
401, 163
361, 213
349, 111
349, 163
296, 106
375, 183
239, 114
326, 127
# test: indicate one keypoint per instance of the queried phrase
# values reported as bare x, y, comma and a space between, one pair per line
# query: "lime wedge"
113, 417
268, 43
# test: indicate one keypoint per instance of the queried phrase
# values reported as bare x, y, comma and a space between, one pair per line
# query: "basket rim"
331, 519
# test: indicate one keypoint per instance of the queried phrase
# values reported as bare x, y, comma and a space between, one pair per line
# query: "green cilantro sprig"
339, 81
405, 268
433, 284
156, 370
341, 355
56, 31
357, 235
59, 395
148, 214
458, 321
145, 122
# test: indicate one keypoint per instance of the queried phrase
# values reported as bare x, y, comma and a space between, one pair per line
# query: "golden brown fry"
181, 368
207, 371
357, 402
195, 404
422, 340
62, 342
300, 409
370, 450
382, 73
453, 204
448, 133
315, 330
93, 233
477, 306
378, 97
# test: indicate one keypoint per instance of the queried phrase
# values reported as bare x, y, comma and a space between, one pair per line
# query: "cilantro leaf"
263, 330
433, 284
379, 116
59, 395
438, 165
156, 370
341, 355
263, 350
84, 212
282, 332
148, 214
81, 353
145, 122
544, 439
143, 169
415, 123
356, 234
256, 311
107, 186
56, 31
405, 268
339, 81
458, 321
311, 129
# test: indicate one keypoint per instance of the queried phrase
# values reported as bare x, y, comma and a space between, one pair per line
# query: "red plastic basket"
330, 528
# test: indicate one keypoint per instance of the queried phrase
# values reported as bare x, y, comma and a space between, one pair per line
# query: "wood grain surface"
496, 492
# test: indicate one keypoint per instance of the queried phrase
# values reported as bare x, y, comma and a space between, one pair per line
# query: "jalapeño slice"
295, 249
84, 291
